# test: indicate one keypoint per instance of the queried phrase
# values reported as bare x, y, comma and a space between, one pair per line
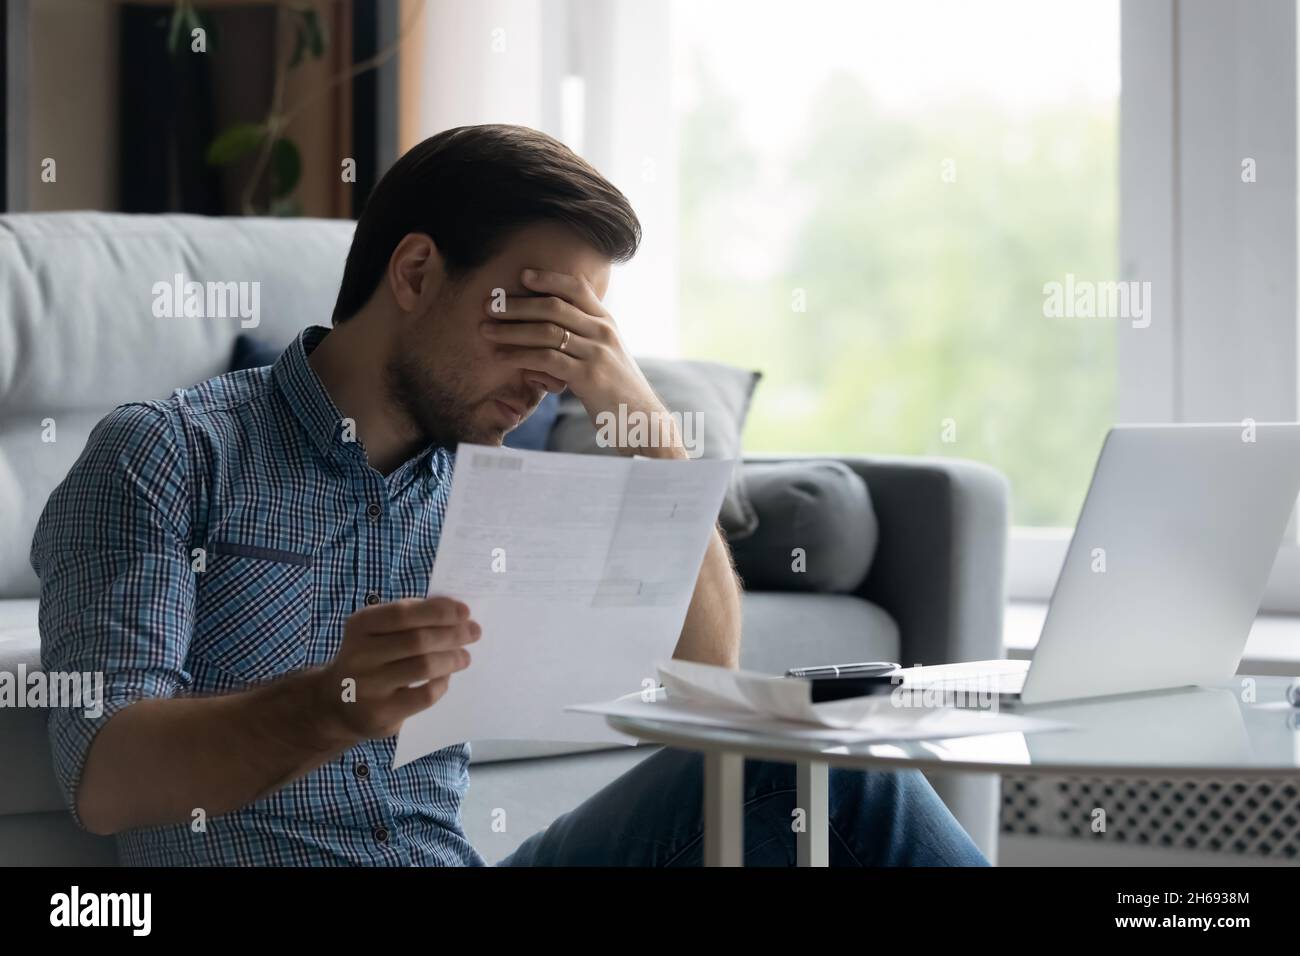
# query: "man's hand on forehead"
563, 333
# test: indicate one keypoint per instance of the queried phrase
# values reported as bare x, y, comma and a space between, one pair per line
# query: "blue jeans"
652, 815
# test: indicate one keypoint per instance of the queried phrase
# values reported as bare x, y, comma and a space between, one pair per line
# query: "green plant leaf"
180, 16
311, 21
235, 143
309, 36
193, 22
299, 45
286, 167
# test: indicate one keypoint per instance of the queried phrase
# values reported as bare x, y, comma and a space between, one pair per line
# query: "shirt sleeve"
117, 592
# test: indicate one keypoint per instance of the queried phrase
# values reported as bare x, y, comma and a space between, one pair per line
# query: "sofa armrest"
939, 563
938, 570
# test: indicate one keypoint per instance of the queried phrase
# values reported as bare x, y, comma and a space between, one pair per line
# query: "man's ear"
414, 272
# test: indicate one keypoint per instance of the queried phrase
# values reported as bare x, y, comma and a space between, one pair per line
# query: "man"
237, 557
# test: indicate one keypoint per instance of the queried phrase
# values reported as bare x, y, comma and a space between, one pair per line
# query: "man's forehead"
556, 249
597, 276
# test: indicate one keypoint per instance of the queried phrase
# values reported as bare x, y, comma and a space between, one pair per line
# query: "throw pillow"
816, 528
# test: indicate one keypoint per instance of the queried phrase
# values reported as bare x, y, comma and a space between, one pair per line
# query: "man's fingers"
538, 335
424, 640
545, 308
403, 673
550, 361
411, 613
573, 288
412, 700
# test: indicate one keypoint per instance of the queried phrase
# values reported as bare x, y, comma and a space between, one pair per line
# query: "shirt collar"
305, 393
317, 413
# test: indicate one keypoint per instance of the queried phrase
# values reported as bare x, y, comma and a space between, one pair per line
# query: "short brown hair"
468, 189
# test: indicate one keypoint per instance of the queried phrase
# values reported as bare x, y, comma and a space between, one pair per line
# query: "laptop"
1165, 572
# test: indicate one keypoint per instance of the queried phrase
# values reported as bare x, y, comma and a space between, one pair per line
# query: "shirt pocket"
253, 610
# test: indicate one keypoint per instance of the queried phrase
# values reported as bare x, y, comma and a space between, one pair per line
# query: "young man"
232, 558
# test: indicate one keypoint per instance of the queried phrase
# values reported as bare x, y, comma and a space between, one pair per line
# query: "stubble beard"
430, 401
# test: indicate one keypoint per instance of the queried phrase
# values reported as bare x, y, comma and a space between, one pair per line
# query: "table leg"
724, 809
812, 843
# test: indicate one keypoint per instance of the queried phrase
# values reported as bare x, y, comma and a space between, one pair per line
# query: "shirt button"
361, 770
372, 597
374, 511
381, 834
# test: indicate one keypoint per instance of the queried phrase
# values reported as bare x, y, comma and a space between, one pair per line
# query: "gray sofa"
78, 336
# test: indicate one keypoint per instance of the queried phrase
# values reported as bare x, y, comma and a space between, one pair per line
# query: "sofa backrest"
79, 333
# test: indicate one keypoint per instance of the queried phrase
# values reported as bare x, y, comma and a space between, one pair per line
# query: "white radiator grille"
1248, 817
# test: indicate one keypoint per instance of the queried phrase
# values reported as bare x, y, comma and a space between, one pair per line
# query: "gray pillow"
821, 507
719, 394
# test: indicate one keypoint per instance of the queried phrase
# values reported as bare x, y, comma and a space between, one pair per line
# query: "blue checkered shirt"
297, 531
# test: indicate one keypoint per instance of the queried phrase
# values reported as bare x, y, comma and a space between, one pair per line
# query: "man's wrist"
300, 716
651, 432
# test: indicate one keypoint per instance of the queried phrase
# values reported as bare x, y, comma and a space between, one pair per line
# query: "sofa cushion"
52, 839
534, 432
79, 334
816, 528
251, 352
717, 397
532, 793
781, 631
27, 782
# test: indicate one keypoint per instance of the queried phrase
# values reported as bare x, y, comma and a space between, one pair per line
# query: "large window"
867, 200
872, 197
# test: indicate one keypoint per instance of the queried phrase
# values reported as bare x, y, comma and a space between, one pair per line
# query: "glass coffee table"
1244, 728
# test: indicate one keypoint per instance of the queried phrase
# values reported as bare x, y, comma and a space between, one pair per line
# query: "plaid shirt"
297, 532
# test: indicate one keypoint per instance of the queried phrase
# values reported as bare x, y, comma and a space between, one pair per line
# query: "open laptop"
1165, 571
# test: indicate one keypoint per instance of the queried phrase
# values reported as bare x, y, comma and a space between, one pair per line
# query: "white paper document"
709, 696
580, 569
